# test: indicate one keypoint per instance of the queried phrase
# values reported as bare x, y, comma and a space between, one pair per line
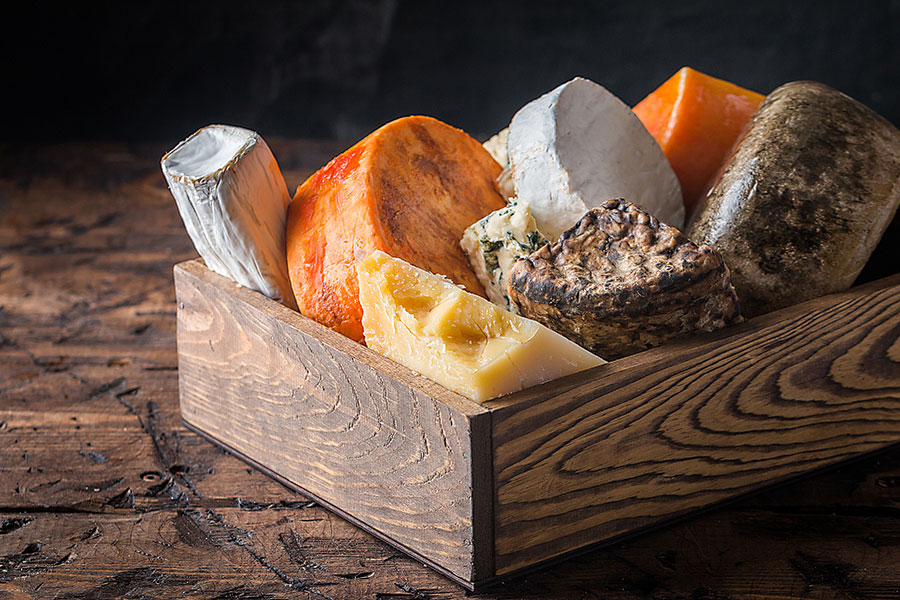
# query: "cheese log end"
233, 200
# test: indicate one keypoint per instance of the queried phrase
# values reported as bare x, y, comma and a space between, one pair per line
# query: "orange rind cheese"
409, 189
696, 119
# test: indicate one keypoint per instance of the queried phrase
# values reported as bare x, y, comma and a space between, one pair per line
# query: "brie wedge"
578, 146
233, 201
460, 340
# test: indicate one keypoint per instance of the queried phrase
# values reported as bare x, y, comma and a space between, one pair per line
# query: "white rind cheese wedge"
494, 243
457, 339
578, 146
233, 201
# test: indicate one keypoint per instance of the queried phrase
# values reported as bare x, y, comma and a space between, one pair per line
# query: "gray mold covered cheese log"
805, 197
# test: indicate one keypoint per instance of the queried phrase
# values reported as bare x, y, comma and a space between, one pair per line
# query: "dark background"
156, 71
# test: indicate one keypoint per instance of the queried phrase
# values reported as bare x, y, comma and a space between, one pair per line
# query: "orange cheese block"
409, 189
696, 118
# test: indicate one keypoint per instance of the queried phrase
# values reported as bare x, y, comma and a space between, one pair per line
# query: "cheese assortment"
572, 216
233, 201
455, 338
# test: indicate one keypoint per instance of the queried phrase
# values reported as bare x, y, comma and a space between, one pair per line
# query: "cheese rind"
578, 146
457, 339
233, 201
496, 242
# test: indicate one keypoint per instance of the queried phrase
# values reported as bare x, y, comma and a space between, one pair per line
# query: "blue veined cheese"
233, 201
578, 146
496, 242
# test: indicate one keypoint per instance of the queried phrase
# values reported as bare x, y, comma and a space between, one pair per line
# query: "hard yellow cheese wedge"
458, 339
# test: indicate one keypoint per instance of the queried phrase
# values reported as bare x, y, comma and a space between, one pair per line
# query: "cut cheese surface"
696, 119
410, 189
497, 147
578, 146
458, 339
496, 242
233, 201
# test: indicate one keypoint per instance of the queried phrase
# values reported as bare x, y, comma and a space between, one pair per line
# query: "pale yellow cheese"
458, 339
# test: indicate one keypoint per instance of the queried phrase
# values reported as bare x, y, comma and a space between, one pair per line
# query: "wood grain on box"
688, 425
484, 491
393, 450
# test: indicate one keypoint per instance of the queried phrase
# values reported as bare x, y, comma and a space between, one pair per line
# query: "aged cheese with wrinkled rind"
457, 339
620, 281
578, 146
233, 201
496, 242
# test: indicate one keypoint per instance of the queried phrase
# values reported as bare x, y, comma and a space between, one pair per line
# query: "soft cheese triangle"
233, 201
460, 340
578, 146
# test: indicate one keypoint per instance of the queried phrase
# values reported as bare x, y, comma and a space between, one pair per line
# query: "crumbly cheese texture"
496, 147
496, 242
233, 201
458, 339
578, 146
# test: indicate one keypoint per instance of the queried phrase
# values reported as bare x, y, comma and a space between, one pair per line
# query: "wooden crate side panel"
386, 453
695, 425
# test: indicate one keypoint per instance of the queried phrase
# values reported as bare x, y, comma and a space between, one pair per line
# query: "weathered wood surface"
104, 494
693, 424
322, 412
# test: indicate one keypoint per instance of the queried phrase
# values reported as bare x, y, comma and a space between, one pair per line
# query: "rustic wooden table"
105, 494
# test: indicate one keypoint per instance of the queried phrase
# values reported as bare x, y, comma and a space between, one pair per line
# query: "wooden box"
480, 492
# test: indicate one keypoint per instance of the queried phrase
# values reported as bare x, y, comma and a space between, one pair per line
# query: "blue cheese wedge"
233, 201
496, 242
578, 146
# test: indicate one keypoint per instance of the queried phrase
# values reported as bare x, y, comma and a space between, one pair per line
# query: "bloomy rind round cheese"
578, 146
